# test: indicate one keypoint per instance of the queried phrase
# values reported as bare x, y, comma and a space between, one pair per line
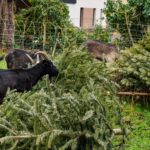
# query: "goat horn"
44, 54
30, 58
37, 58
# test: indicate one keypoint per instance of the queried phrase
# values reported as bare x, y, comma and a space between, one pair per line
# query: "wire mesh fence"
32, 35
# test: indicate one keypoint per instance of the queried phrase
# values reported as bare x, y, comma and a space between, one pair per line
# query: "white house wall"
74, 10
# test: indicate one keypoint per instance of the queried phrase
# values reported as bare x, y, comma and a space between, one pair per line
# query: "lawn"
138, 118
3, 64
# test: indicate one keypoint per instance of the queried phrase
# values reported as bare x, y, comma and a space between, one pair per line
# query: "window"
87, 17
94, 14
70, 1
81, 17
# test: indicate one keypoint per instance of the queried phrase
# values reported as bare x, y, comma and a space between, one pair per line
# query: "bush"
100, 33
133, 66
78, 110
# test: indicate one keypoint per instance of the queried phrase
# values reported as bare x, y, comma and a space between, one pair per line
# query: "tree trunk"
7, 23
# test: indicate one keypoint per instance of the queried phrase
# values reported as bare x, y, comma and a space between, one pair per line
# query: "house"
86, 13
124, 1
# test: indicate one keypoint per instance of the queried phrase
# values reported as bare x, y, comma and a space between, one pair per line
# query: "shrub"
100, 33
133, 65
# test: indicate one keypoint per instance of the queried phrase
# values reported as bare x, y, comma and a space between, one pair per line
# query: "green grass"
3, 64
138, 119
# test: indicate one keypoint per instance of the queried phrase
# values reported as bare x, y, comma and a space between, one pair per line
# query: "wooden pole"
133, 93
119, 131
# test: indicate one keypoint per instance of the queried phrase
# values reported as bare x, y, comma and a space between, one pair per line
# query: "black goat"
101, 51
25, 79
18, 58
